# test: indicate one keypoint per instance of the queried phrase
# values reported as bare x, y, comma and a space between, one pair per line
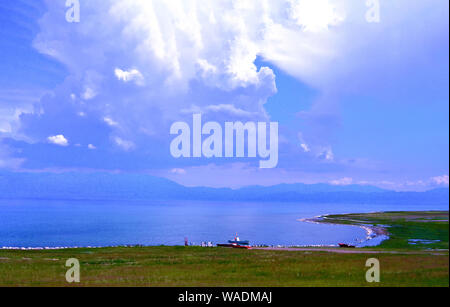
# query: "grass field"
193, 266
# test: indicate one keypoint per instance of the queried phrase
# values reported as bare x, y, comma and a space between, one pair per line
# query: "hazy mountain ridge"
104, 186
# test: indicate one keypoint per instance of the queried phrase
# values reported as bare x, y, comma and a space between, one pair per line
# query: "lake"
50, 223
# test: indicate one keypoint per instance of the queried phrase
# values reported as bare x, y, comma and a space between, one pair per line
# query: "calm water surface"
44, 223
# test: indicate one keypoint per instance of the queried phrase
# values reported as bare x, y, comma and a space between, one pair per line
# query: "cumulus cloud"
305, 147
433, 182
440, 180
175, 44
342, 181
199, 56
58, 140
89, 93
110, 122
315, 16
326, 154
124, 144
13, 103
185, 52
131, 75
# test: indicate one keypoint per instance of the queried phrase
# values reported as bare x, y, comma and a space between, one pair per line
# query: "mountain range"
108, 186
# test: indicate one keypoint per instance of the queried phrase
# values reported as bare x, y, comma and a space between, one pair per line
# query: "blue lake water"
45, 223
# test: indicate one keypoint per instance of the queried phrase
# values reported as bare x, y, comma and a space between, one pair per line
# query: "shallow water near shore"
50, 223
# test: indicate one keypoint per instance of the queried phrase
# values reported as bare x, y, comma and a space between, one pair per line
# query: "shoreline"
47, 248
372, 231
375, 228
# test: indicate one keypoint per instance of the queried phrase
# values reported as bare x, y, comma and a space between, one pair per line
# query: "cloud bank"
137, 66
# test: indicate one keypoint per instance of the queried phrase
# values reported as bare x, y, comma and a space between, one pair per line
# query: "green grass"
411, 265
403, 227
191, 266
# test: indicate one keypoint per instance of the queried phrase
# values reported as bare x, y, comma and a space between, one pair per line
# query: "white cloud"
170, 44
415, 183
124, 144
203, 53
441, 180
178, 171
315, 16
110, 122
305, 147
59, 140
227, 109
326, 154
13, 103
91, 147
342, 181
9, 118
206, 68
89, 94
131, 75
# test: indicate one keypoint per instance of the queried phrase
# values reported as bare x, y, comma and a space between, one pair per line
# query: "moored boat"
236, 243
344, 245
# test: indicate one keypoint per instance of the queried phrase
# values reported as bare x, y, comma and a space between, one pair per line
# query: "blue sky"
357, 102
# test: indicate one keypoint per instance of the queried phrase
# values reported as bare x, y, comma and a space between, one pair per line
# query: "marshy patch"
422, 241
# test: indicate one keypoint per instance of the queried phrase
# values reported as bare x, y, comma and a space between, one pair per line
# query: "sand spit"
372, 231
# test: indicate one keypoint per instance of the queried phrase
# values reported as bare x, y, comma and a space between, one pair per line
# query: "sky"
357, 102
